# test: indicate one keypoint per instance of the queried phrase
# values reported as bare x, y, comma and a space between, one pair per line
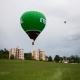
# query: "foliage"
64, 57
61, 59
27, 56
50, 59
4, 54
12, 56
74, 59
57, 58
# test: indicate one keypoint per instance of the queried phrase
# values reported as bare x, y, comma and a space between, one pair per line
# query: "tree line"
57, 58
71, 59
4, 54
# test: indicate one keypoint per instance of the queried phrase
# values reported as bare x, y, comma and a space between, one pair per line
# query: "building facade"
18, 53
38, 55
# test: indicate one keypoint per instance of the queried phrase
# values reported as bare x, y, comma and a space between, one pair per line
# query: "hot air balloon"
65, 22
33, 23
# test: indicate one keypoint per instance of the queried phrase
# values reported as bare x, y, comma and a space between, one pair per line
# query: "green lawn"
38, 70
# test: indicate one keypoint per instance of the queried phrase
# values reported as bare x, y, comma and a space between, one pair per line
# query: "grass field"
38, 70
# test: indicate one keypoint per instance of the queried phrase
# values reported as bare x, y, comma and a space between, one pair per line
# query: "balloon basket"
33, 43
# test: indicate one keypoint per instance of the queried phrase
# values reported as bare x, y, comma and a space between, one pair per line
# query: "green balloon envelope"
33, 22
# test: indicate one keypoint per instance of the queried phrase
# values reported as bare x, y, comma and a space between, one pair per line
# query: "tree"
74, 58
12, 56
50, 59
4, 54
57, 58
64, 57
1, 54
61, 59
27, 56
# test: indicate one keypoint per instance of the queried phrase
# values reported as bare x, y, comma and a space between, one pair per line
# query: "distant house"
38, 55
18, 53
65, 61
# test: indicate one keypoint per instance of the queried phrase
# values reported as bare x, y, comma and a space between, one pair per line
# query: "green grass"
38, 70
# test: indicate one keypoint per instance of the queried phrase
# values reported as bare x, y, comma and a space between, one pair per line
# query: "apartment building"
38, 55
18, 53
12, 52
42, 55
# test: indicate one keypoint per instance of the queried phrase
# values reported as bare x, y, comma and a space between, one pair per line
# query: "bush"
12, 56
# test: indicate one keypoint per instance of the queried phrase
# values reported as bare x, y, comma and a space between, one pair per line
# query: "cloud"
73, 37
56, 38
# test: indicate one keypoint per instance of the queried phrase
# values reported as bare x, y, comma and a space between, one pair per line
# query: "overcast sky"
57, 38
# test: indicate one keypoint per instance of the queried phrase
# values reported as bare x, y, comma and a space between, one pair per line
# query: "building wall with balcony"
18, 53
38, 54
21, 54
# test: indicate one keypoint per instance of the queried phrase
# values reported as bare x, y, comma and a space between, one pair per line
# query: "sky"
57, 38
